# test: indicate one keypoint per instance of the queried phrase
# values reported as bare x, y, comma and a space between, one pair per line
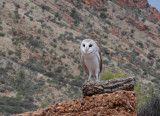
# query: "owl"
91, 59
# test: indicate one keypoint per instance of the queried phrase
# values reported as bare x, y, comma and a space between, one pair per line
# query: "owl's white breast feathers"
92, 61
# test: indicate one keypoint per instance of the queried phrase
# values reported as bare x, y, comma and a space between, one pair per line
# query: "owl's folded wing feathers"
84, 65
100, 60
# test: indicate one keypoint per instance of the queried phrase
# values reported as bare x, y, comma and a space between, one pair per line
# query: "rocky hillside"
121, 103
39, 47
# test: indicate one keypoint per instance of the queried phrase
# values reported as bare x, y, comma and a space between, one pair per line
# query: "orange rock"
120, 103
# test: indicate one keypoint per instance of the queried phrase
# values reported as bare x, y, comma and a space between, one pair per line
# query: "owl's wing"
100, 60
84, 65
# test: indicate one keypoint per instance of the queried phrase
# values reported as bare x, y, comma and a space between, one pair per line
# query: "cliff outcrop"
151, 12
134, 3
121, 103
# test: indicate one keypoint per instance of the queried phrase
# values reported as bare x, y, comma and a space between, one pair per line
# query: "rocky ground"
119, 103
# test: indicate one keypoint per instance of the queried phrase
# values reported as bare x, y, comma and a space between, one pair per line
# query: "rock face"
134, 3
119, 103
155, 13
151, 14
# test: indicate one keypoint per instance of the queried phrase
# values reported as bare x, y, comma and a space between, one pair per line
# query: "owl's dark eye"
83, 45
90, 45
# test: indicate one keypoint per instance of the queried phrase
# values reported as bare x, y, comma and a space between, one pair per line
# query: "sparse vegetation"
123, 33
2, 53
76, 16
112, 74
1, 28
151, 107
44, 7
2, 34
103, 15
140, 44
34, 43
13, 105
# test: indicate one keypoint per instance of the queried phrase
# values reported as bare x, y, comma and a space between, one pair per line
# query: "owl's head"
88, 46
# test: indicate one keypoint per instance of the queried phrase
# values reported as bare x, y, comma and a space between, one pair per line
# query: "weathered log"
126, 83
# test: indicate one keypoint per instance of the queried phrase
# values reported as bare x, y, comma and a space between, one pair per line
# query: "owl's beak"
86, 50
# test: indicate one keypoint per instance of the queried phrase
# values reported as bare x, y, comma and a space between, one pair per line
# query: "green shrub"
108, 22
103, 15
158, 27
18, 53
2, 53
123, 33
53, 45
10, 52
1, 28
2, 34
21, 74
143, 94
140, 44
76, 16
44, 7
11, 105
151, 107
34, 43
111, 74
106, 30
50, 74
39, 31
57, 15
44, 105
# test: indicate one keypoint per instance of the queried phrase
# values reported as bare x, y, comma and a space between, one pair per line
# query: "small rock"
78, 110
83, 102
111, 105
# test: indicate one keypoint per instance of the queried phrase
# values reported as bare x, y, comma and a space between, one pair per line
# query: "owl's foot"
97, 80
86, 81
90, 81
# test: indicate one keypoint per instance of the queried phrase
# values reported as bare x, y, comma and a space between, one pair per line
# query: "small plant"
2, 53
111, 74
44, 7
57, 15
140, 44
50, 74
18, 53
113, 10
26, 5
108, 22
53, 45
2, 34
21, 74
158, 27
76, 16
123, 33
44, 105
1, 28
39, 31
151, 107
106, 30
103, 15
10, 52
34, 43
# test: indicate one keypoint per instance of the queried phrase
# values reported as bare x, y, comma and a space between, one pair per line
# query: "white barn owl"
91, 58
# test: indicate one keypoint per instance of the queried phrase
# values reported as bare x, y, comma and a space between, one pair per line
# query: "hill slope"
39, 47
